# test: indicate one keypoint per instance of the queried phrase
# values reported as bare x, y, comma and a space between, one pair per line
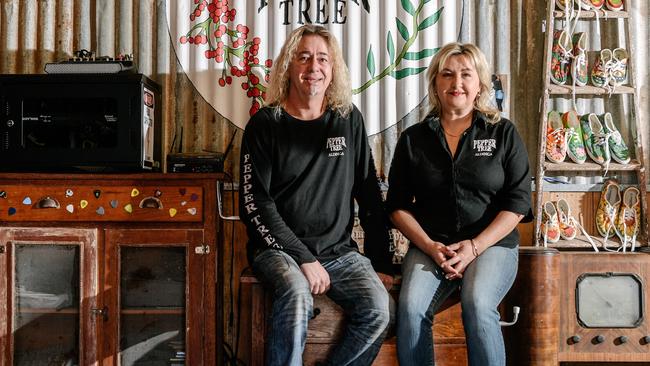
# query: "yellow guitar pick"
172, 212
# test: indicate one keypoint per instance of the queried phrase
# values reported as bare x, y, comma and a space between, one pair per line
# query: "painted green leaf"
406, 4
427, 52
402, 29
370, 62
401, 74
390, 46
430, 20
426, 1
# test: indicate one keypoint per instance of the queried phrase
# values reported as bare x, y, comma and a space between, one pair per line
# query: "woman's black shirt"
455, 198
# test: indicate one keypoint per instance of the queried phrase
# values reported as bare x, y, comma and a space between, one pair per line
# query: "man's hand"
387, 280
317, 276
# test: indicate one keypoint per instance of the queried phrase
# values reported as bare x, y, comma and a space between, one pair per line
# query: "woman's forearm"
502, 225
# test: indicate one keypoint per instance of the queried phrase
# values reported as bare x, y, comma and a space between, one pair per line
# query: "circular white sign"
226, 48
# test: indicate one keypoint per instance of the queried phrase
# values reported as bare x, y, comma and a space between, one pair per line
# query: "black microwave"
78, 122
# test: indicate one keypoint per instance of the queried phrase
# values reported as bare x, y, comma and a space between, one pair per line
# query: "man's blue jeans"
424, 288
354, 285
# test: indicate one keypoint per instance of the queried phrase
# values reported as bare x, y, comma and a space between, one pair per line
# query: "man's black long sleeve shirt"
298, 183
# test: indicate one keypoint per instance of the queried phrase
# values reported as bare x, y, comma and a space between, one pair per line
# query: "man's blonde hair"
338, 95
474, 55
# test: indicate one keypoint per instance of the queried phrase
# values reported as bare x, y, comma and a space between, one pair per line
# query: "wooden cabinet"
108, 269
580, 307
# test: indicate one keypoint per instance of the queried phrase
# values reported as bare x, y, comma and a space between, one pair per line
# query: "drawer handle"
47, 202
151, 202
316, 313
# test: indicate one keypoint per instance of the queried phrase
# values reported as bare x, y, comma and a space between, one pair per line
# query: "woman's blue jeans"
354, 285
424, 288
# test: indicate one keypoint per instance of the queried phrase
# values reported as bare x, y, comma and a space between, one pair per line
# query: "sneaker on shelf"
617, 146
568, 229
550, 226
606, 213
592, 4
555, 139
600, 71
594, 138
614, 5
573, 135
561, 57
629, 214
618, 67
579, 71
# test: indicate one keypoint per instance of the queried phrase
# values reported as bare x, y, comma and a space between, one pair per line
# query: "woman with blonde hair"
458, 186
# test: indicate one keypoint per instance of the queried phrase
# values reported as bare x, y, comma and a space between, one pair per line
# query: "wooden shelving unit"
634, 141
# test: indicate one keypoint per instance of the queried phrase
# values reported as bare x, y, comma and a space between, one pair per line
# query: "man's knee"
377, 314
296, 289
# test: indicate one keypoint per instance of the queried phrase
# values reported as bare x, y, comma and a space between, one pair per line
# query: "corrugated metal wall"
34, 32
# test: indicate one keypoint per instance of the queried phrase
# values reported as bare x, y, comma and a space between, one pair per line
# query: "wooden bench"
327, 325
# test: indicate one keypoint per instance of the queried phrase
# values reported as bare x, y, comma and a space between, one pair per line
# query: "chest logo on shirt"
484, 147
336, 146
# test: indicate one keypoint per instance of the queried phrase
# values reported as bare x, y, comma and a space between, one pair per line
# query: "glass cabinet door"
152, 305
156, 287
46, 299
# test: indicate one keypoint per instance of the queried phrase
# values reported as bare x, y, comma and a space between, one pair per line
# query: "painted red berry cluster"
230, 46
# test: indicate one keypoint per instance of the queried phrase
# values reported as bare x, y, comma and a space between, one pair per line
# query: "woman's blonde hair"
338, 95
474, 55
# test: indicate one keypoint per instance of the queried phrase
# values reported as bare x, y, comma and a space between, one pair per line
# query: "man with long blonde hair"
305, 159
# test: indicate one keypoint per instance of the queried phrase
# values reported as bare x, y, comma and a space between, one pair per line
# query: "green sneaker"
595, 138
617, 146
579, 71
573, 132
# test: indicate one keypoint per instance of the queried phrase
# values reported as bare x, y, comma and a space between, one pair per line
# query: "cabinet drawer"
101, 203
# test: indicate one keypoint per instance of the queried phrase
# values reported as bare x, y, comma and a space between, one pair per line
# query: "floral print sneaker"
610, 200
618, 67
555, 139
550, 225
561, 57
617, 146
592, 4
614, 5
595, 139
600, 71
629, 214
579, 71
573, 135
567, 223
